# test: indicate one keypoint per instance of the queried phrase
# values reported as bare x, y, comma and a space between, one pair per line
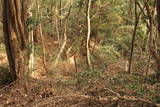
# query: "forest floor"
110, 86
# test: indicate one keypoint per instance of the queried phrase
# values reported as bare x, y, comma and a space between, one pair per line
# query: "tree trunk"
158, 20
15, 40
88, 34
24, 14
158, 16
152, 41
60, 13
65, 37
133, 37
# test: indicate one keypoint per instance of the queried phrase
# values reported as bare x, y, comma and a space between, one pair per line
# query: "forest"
79, 53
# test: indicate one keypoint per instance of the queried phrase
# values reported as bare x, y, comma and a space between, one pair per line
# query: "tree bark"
152, 41
88, 34
15, 40
133, 37
158, 16
60, 13
158, 20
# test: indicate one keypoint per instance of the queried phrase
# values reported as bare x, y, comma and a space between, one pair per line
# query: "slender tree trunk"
57, 27
148, 66
31, 52
62, 47
65, 37
43, 48
158, 20
60, 13
75, 62
133, 38
31, 47
158, 16
42, 38
88, 34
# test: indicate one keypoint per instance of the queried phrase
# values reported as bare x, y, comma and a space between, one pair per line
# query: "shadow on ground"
5, 76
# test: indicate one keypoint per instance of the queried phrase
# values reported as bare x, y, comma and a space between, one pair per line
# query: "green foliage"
111, 21
156, 98
106, 54
136, 84
80, 3
88, 77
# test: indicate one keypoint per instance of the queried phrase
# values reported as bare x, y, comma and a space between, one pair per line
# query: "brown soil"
50, 89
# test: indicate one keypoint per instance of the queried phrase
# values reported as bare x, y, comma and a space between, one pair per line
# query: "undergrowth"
106, 55
137, 84
127, 84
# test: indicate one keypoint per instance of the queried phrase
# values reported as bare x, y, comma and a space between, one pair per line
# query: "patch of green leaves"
88, 77
107, 54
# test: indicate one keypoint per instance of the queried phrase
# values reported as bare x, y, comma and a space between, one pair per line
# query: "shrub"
106, 54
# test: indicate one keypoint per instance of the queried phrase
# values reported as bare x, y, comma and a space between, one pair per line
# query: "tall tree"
15, 39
